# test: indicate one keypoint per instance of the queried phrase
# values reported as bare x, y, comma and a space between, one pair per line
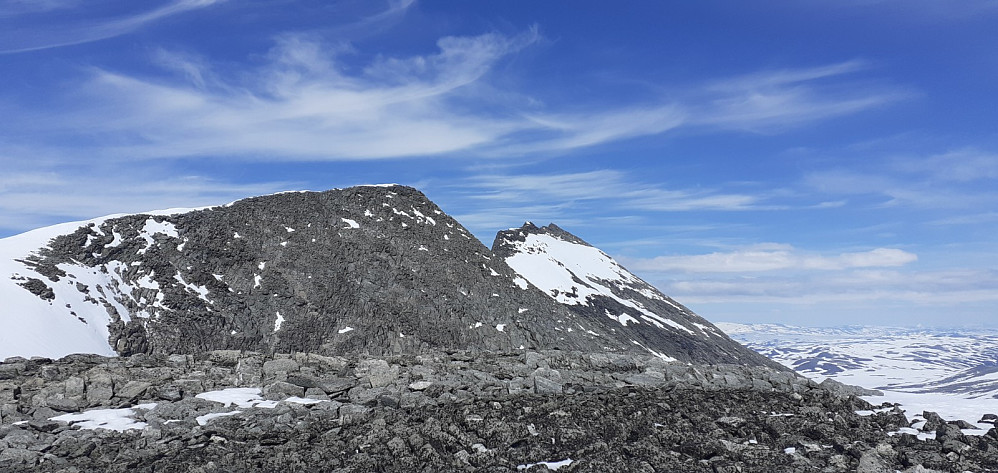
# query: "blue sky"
813, 163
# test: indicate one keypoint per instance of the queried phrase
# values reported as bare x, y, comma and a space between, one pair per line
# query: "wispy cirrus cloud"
961, 179
9, 8
487, 201
18, 39
925, 288
770, 101
772, 257
301, 104
605, 184
311, 100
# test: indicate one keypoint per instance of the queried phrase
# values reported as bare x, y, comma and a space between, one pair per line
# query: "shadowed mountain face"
594, 286
372, 269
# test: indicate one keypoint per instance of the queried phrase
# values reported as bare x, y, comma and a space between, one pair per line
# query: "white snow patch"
262, 265
520, 282
203, 420
368, 213
236, 235
501, 327
662, 356
553, 466
623, 319
350, 223
239, 397
302, 400
278, 321
288, 229
422, 217
790, 450
116, 241
110, 419
256, 280
153, 227
521, 310
345, 330
201, 291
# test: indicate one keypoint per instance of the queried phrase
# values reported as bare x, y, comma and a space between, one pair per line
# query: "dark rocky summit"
365, 269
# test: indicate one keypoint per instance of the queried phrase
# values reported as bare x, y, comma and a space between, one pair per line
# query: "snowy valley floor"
953, 372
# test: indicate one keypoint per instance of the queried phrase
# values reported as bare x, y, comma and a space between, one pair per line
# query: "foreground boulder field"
458, 411
364, 329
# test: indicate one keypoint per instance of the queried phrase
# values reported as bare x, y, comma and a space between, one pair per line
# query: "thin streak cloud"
773, 257
16, 40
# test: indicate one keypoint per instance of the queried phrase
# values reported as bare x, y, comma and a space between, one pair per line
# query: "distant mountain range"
952, 371
368, 269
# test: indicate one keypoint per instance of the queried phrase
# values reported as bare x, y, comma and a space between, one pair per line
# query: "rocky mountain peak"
591, 284
368, 269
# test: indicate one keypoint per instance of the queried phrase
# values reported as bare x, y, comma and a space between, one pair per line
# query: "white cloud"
21, 7
305, 101
962, 165
920, 288
771, 101
614, 186
19, 40
958, 179
301, 105
772, 257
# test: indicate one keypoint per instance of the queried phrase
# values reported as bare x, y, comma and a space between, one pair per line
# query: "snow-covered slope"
65, 320
592, 284
953, 372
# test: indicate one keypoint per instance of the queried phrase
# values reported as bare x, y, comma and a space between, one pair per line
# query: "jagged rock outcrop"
605, 294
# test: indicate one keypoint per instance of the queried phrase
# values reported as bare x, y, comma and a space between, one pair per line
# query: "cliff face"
603, 293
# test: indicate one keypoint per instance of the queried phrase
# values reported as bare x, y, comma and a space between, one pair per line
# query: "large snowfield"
952, 372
